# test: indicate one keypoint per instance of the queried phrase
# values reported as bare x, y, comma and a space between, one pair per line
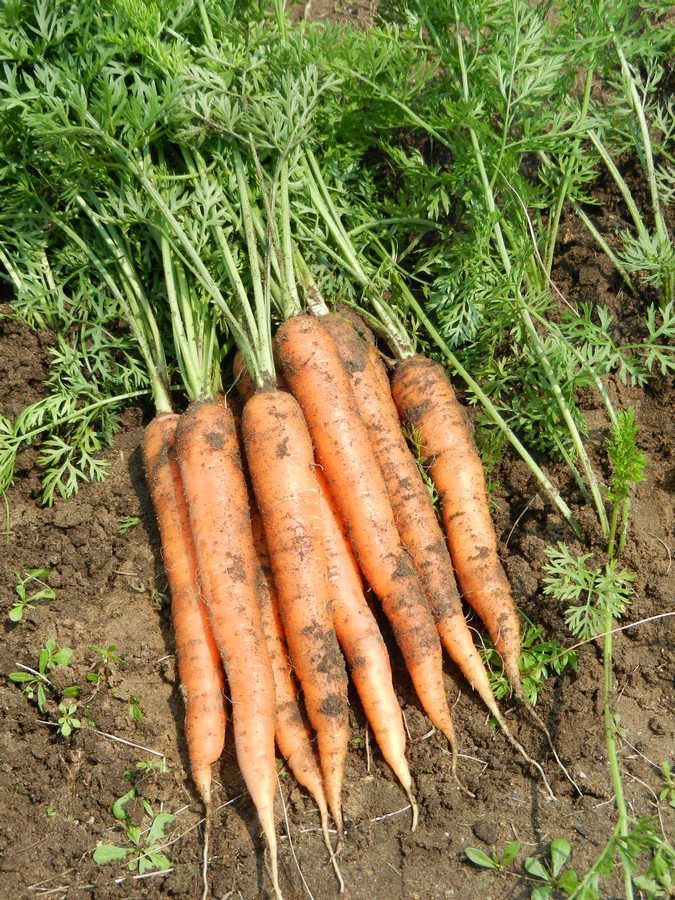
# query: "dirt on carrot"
427, 404
310, 363
281, 466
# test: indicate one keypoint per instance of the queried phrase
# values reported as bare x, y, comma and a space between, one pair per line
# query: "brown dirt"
56, 794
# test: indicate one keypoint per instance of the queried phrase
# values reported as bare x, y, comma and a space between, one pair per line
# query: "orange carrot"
281, 465
291, 731
217, 502
243, 381
366, 655
199, 667
416, 519
312, 368
427, 403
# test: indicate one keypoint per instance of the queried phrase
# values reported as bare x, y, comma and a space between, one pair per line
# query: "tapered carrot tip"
205, 855
332, 853
415, 809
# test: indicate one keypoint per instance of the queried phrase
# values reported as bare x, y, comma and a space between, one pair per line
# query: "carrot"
365, 652
291, 731
427, 403
416, 519
200, 672
217, 503
199, 667
242, 380
310, 363
415, 516
281, 465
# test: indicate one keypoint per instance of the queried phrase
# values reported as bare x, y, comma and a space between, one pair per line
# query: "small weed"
35, 684
107, 657
146, 843
667, 792
125, 523
135, 708
150, 766
28, 596
494, 861
551, 877
537, 660
659, 881
66, 722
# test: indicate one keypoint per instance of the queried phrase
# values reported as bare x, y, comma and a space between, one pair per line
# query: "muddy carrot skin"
217, 502
199, 668
281, 465
426, 402
293, 736
365, 652
311, 366
415, 516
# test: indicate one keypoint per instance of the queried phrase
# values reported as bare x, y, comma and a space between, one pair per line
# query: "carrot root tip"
415, 810
205, 853
332, 853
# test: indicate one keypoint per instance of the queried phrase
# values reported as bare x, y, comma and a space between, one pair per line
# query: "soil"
57, 793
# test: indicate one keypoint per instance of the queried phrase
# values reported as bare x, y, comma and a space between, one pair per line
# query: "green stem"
11, 270
604, 246
636, 102
324, 205
377, 224
192, 257
158, 381
263, 342
522, 306
289, 287
139, 312
186, 352
610, 731
624, 190
554, 222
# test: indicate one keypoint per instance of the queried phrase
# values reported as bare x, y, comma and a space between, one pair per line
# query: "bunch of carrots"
282, 512
276, 514
280, 516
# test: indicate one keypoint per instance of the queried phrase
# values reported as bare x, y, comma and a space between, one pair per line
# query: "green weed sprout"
538, 659
28, 597
493, 861
67, 722
35, 684
125, 523
553, 879
147, 844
